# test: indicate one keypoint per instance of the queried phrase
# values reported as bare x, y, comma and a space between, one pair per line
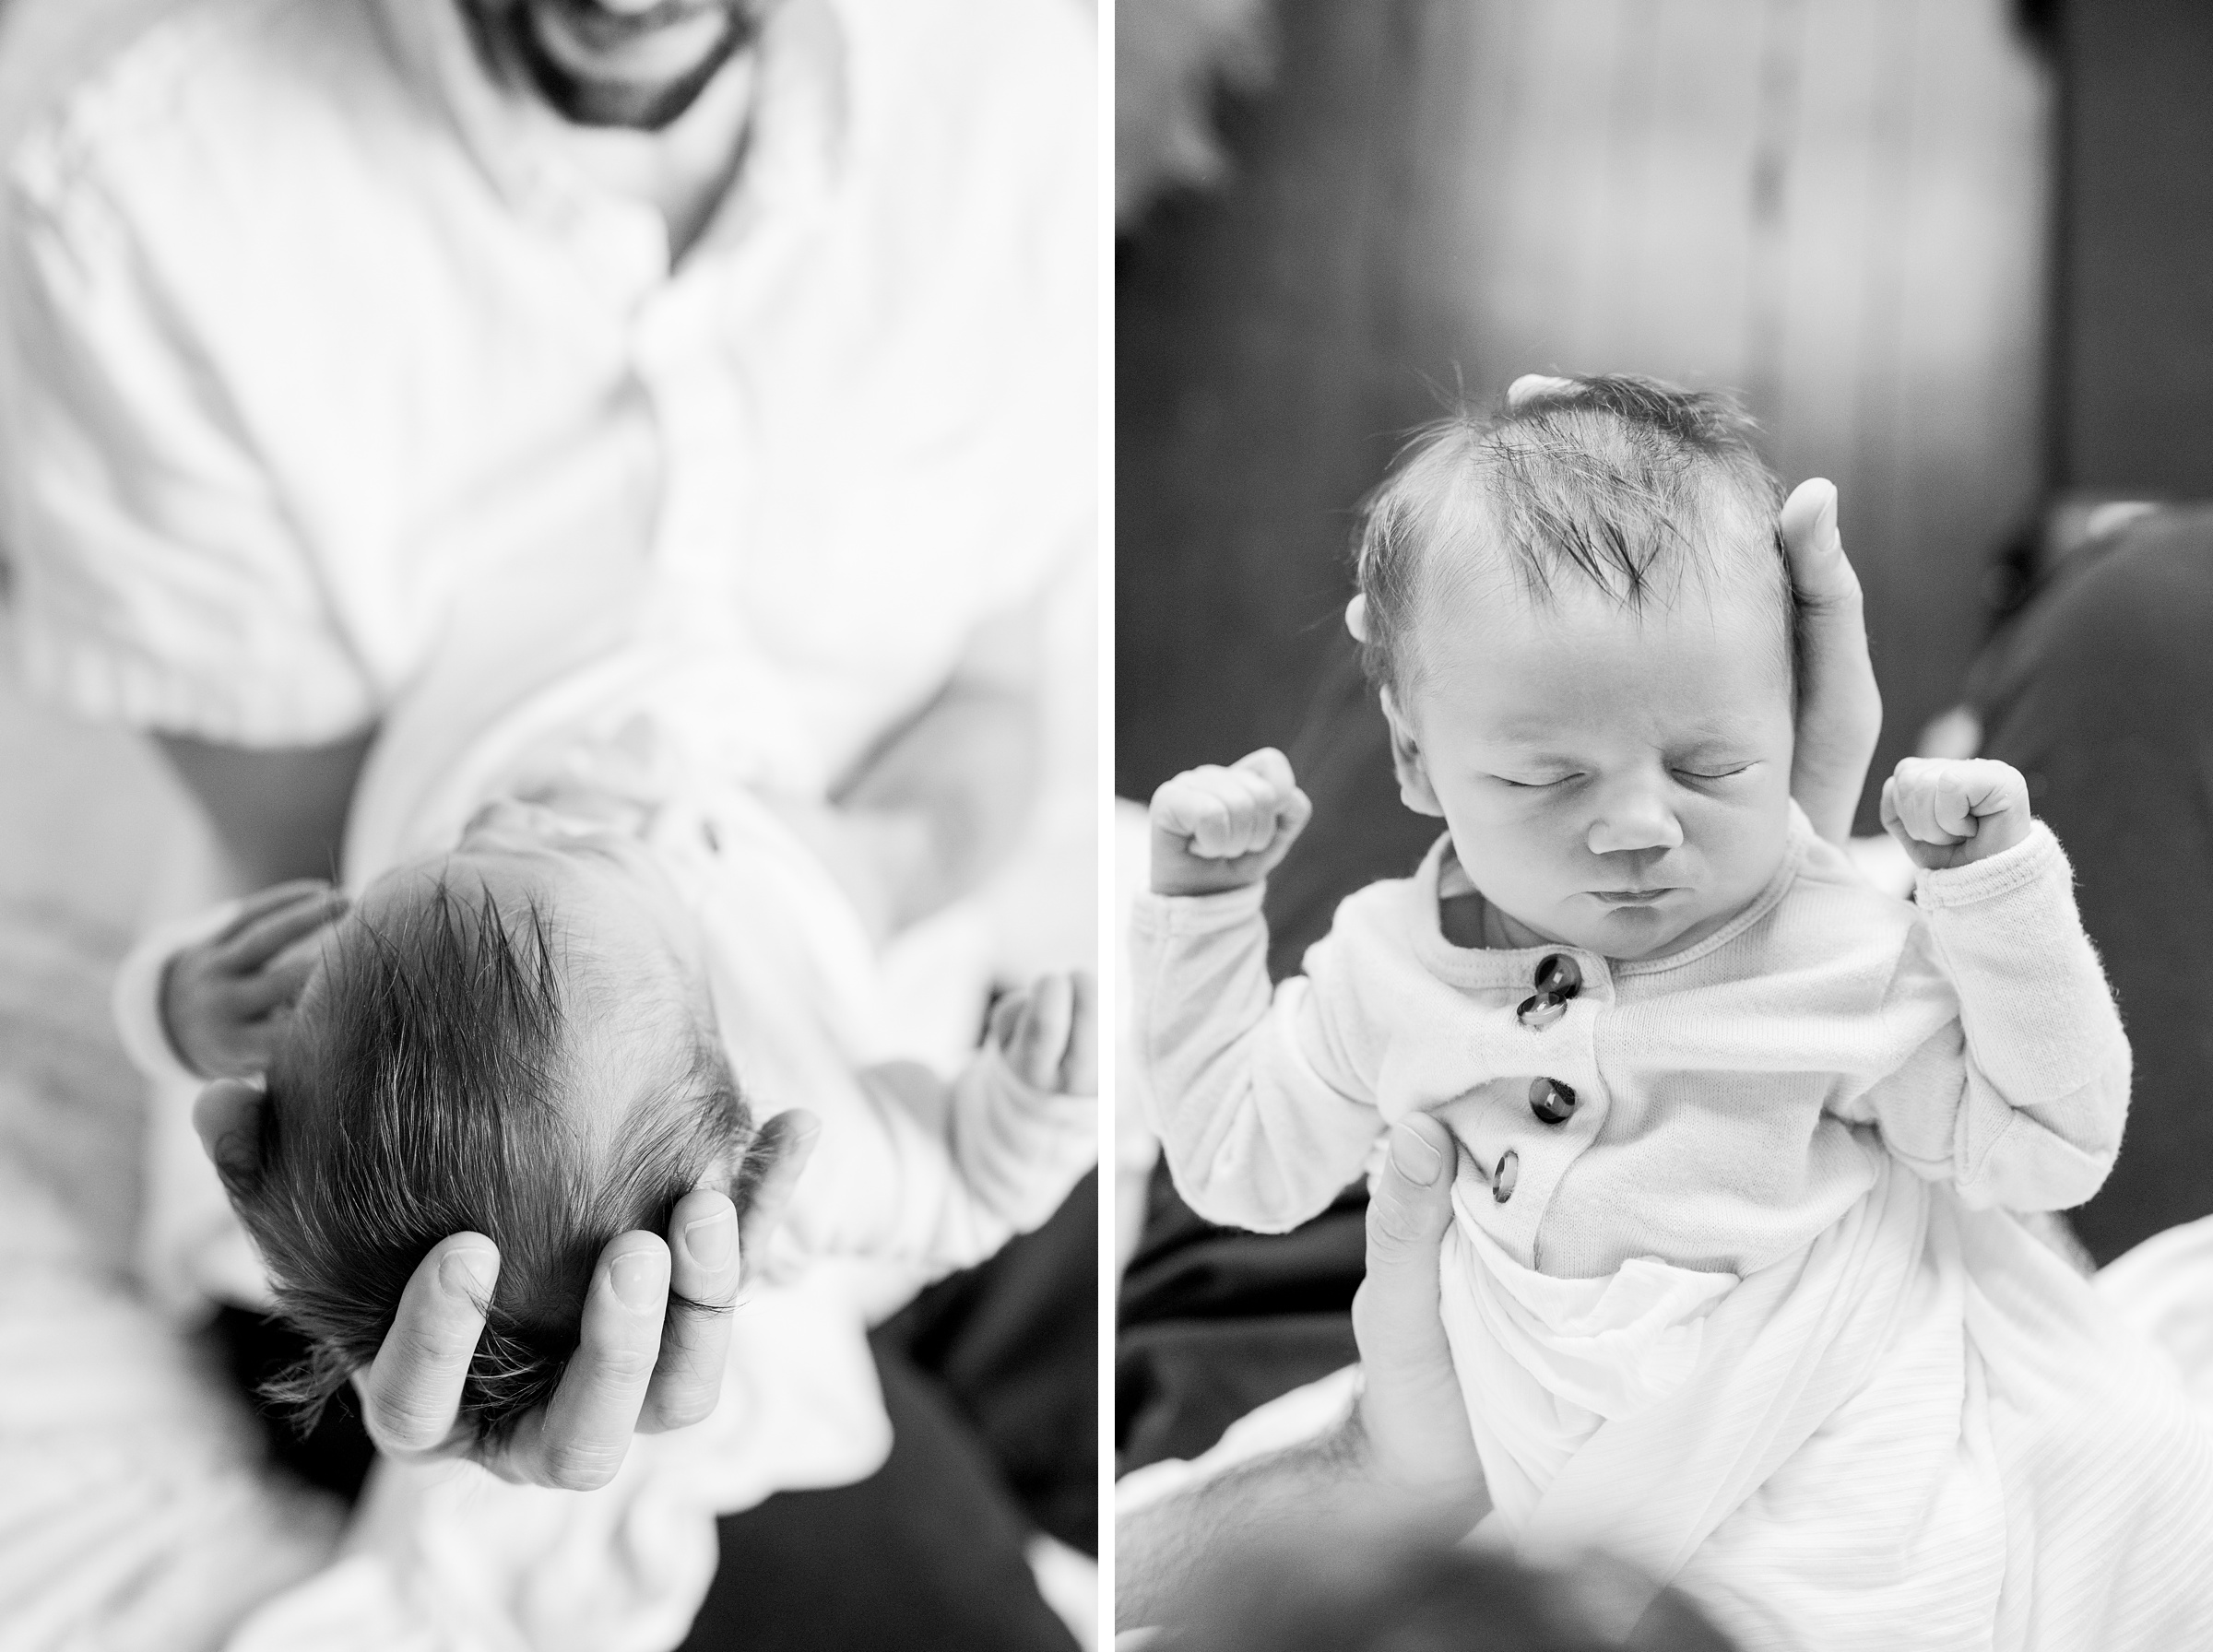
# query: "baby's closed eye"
1709, 771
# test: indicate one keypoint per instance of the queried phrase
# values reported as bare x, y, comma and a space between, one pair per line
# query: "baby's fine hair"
1625, 483
424, 1097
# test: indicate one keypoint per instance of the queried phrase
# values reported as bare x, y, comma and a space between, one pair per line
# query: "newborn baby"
1683, 1050
517, 1039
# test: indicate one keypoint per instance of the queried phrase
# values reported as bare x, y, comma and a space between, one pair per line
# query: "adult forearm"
1165, 1550
1329, 1486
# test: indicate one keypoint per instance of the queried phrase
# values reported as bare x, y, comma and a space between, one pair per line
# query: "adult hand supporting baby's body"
637, 1368
1400, 1466
1411, 1423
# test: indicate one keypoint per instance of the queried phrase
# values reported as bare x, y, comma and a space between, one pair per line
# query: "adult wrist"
1447, 1505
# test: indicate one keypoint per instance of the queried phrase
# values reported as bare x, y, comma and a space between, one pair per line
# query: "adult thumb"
1408, 1209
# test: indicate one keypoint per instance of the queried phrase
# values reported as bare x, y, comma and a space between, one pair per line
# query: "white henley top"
1717, 1090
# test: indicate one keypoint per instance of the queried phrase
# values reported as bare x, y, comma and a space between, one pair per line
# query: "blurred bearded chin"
508, 37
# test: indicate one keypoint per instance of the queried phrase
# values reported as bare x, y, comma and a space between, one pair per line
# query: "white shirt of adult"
312, 336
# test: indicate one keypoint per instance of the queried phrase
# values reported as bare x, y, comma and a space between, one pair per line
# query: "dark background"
1953, 252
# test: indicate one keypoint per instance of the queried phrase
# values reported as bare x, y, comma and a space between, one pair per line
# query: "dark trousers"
991, 1381
2099, 690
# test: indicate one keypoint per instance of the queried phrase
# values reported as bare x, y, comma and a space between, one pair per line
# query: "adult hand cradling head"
653, 1326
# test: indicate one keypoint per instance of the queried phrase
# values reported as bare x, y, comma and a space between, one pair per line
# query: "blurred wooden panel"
1837, 207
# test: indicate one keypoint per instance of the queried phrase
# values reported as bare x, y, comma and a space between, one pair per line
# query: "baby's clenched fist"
1947, 812
1216, 829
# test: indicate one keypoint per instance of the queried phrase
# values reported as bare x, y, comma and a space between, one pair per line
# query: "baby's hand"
225, 1001
1048, 1032
1947, 812
1216, 829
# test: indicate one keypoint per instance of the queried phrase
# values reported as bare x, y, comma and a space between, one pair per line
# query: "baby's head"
1581, 620
510, 1039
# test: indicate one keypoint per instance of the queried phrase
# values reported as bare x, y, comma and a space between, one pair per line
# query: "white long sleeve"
1262, 1112
2020, 1094
972, 1164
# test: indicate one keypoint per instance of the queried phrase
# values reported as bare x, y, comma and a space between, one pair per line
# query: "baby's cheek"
1745, 837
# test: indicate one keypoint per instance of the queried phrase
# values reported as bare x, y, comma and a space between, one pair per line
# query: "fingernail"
638, 1281
712, 1239
1415, 1159
470, 1273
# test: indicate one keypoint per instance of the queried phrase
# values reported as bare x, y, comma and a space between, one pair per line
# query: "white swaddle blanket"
1573, 1384
1927, 1431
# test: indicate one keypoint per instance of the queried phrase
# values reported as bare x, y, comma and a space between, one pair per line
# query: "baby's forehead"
1523, 667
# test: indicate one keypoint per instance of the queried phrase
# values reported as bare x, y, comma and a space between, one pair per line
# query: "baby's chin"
1633, 932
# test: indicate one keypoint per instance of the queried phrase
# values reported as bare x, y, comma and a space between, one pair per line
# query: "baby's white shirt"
1717, 1090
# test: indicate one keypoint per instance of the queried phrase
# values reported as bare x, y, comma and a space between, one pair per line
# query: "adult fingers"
1408, 1210
412, 1391
1532, 384
702, 1289
785, 1143
251, 945
595, 1410
1841, 707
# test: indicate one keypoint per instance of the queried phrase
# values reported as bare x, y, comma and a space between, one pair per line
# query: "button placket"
1557, 980
1557, 1016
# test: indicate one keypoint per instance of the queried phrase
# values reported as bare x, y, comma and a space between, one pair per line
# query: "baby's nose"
1634, 824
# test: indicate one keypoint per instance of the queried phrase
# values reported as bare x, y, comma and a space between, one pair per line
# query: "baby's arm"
995, 1152
1026, 1109
1262, 1112
2042, 1066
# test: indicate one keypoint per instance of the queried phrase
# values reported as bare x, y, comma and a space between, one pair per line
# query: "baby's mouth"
1631, 897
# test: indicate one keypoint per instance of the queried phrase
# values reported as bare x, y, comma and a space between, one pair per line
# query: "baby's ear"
229, 1116
1414, 790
